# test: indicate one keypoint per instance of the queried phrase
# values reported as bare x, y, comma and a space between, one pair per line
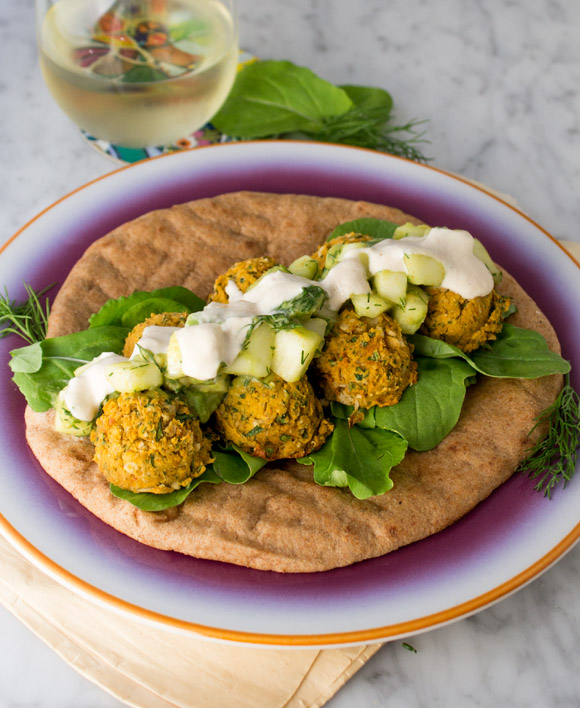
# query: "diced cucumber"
255, 359
294, 349
65, 422
174, 367
339, 252
424, 270
410, 229
391, 285
412, 311
318, 325
479, 251
134, 375
370, 305
305, 267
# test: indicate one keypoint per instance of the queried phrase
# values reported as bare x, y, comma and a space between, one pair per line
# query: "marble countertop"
500, 84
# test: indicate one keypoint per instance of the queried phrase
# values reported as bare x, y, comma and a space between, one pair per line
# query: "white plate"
505, 542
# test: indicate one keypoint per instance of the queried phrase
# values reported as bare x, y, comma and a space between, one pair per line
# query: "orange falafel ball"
466, 324
242, 274
365, 361
272, 418
162, 319
149, 442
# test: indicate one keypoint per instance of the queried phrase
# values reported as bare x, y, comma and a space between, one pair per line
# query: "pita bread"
281, 520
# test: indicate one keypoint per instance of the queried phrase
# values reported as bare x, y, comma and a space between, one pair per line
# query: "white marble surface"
499, 82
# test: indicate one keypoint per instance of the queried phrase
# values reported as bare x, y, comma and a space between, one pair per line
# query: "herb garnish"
553, 458
28, 319
278, 99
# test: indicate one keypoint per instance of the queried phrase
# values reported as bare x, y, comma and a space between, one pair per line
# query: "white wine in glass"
138, 73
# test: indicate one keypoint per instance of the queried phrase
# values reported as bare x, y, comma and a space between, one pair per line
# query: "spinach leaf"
358, 458
516, 353
272, 97
114, 311
236, 467
151, 306
159, 502
41, 370
429, 410
377, 229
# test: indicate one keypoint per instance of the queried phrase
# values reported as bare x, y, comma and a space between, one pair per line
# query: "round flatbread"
281, 520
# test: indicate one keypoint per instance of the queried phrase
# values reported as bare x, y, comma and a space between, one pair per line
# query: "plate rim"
332, 639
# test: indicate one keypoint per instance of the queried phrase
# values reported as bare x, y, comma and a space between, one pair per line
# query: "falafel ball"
320, 255
162, 319
271, 418
466, 324
149, 442
242, 274
366, 361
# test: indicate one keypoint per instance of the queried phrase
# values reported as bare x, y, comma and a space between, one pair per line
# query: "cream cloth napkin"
149, 666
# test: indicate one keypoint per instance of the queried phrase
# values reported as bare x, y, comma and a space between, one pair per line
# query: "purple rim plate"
508, 540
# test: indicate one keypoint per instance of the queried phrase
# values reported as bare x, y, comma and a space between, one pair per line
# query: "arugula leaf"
272, 97
516, 353
378, 229
41, 370
147, 501
357, 458
116, 311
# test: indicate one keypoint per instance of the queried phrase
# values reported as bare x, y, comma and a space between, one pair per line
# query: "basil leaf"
112, 312
357, 458
60, 357
378, 229
429, 410
272, 97
147, 501
370, 98
516, 353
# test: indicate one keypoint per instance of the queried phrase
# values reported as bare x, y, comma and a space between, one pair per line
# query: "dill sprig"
364, 127
552, 460
28, 319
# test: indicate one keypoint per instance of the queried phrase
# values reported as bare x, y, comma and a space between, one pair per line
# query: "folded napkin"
150, 666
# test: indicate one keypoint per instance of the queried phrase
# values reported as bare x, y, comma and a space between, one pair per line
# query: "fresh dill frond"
368, 128
28, 319
552, 460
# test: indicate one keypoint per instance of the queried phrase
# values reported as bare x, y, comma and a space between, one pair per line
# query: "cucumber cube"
412, 311
318, 325
479, 251
294, 349
391, 285
410, 229
424, 270
135, 375
255, 359
305, 267
370, 305
65, 422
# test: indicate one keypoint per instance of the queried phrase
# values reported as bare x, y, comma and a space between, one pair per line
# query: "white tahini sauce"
216, 335
349, 277
85, 392
155, 339
465, 274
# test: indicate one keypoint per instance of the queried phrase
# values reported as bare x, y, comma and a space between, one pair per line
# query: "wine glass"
138, 73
